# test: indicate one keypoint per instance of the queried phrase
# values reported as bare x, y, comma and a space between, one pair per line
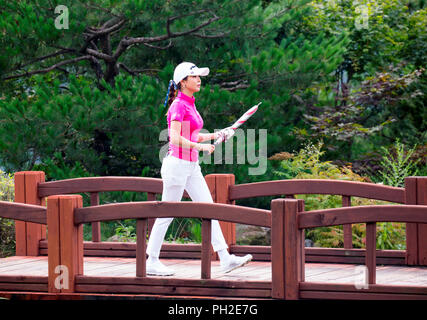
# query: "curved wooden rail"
363, 214
94, 185
317, 186
163, 209
68, 215
23, 212
288, 250
100, 184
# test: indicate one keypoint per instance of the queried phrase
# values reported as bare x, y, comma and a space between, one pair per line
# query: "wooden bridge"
65, 266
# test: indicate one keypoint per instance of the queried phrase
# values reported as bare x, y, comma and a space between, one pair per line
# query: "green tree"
88, 100
7, 226
380, 87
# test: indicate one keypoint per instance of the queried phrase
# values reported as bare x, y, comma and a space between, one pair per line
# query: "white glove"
224, 134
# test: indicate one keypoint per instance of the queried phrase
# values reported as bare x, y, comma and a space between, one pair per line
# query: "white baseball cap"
185, 69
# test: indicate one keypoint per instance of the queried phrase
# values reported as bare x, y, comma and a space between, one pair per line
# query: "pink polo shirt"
184, 110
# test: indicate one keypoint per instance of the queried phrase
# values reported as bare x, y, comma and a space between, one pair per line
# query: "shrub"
7, 226
307, 164
397, 165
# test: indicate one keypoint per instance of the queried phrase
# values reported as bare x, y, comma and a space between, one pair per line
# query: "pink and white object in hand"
224, 134
237, 124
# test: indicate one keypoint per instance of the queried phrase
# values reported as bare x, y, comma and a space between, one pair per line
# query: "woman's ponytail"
172, 93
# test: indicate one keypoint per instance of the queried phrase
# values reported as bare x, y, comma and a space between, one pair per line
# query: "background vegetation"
342, 83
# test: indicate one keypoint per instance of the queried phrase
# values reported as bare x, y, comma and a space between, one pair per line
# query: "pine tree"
89, 99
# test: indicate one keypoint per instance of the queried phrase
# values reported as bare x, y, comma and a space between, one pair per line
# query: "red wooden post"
65, 243
286, 252
96, 226
141, 247
53, 242
411, 228
277, 249
416, 233
422, 227
28, 234
348, 236
20, 226
371, 251
301, 247
223, 183
206, 248
219, 185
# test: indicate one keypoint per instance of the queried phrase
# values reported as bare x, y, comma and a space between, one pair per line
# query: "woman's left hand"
206, 147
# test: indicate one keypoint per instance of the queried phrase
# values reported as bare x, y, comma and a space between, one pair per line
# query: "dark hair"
173, 93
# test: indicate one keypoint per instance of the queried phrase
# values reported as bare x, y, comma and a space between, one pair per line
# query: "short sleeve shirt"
184, 110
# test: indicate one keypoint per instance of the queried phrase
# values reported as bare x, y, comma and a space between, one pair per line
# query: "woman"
180, 168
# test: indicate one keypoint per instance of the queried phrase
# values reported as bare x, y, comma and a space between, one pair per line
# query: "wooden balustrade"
288, 223
142, 211
23, 212
31, 188
218, 184
287, 219
364, 214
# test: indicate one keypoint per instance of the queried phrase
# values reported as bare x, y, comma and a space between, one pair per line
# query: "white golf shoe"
234, 262
156, 268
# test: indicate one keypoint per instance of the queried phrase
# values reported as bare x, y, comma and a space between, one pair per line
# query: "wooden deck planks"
191, 269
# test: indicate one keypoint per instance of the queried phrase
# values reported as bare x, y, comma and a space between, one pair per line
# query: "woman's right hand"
206, 147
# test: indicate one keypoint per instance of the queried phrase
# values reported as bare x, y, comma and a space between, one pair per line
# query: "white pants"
179, 175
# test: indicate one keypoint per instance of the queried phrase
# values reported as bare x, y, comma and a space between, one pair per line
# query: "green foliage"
7, 186
378, 30
7, 226
80, 124
391, 236
125, 232
397, 165
87, 132
105, 116
372, 102
379, 94
307, 164
185, 230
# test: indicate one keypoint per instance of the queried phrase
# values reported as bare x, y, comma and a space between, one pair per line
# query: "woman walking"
180, 168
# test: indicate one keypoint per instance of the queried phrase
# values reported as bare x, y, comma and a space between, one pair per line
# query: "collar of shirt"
186, 98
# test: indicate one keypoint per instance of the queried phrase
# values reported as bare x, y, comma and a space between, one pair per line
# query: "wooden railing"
346, 189
218, 183
414, 193
295, 222
23, 212
287, 219
39, 189
142, 211
66, 217
96, 185
25, 215
31, 188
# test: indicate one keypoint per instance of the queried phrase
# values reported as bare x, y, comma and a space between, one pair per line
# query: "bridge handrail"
100, 184
67, 216
163, 209
317, 186
363, 214
23, 212
289, 223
